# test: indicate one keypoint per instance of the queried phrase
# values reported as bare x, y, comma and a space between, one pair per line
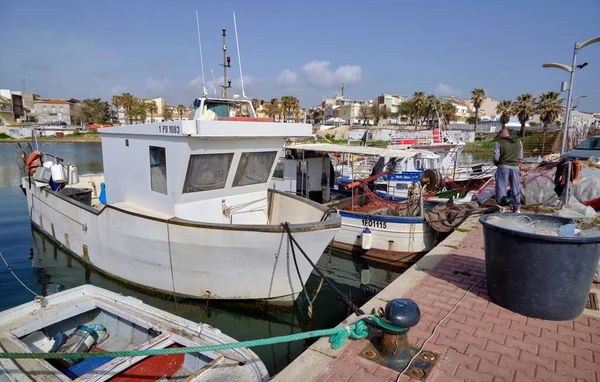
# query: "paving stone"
471, 375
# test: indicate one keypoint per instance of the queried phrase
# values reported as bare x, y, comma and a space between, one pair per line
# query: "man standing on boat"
508, 154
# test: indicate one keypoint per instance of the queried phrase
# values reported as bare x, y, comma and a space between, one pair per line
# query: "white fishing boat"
388, 231
92, 319
183, 207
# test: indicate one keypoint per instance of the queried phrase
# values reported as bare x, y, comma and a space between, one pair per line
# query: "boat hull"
175, 256
396, 240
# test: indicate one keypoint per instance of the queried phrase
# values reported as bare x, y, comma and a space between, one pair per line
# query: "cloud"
446, 90
319, 74
287, 78
156, 85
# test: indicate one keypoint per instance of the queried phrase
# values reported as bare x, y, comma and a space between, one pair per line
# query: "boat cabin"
213, 167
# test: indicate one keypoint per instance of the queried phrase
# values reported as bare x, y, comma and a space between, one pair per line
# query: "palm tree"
477, 97
167, 113
152, 108
117, 102
139, 110
406, 109
128, 101
524, 108
505, 109
448, 112
180, 110
549, 107
418, 101
255, 103
273, 108
430, 106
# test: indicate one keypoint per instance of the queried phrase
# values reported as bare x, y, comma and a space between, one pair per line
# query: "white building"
463, 109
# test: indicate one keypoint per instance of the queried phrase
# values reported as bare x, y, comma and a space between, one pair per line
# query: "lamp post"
571, 69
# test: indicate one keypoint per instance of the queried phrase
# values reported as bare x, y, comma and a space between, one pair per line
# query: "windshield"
590, 144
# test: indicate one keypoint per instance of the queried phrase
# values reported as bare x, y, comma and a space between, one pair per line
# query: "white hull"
131, 325
182, 257
395, 239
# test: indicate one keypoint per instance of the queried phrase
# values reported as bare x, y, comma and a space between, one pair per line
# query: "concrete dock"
478, 341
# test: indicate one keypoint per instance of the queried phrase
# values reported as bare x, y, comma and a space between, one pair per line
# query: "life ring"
33, 161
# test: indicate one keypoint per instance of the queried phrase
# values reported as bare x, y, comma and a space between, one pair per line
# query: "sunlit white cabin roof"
364, 150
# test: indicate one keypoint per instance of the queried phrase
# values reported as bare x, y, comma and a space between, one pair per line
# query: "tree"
127, 101
384, 112
406, 109
524, 107
151, 108
376, 113
117, 102
139, 110
255, 103
448, 112
273, 108
549, 107
431, 105
477, 97
364, 113
91, 110
181, 110
471, 120
505, 109
167, 113
418, 101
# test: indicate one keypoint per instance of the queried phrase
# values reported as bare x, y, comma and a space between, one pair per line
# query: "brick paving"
481, 341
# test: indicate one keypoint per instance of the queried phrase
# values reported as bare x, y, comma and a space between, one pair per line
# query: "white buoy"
366, 239
58, 173
48, 164
72, 174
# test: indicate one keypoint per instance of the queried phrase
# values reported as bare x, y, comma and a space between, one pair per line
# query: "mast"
226, 64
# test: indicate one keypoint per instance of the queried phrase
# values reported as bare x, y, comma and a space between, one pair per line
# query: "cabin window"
158, 169
207, 172
254, 168
279, 170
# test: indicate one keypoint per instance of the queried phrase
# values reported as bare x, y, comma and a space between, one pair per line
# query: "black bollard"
393, 349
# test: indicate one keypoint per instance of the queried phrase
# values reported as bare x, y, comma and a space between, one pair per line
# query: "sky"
306, 49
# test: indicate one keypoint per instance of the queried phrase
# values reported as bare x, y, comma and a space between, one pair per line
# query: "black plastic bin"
541, 276
83, 195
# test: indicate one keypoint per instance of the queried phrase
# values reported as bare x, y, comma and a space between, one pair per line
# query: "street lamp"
571, 69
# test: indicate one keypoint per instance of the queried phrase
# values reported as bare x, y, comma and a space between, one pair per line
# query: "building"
487, 111
350, 111
54, 110
391, 101
463, 109
11, 101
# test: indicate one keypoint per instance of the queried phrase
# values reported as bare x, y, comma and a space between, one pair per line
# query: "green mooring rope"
337, 337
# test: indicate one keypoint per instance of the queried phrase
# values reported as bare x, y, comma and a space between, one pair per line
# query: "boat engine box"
42, 174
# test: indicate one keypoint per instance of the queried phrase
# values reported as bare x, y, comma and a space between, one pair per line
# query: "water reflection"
46, 269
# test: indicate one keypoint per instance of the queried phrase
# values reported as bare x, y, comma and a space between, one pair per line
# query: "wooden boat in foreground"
119, 323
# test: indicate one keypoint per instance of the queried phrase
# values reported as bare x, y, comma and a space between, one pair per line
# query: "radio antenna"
204, 92
239, 58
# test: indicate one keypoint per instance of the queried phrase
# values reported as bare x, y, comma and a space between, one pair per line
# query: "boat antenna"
237, 44
226, 64
205, 93
214, 82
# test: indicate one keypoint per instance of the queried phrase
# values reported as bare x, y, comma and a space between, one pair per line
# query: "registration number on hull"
374, 223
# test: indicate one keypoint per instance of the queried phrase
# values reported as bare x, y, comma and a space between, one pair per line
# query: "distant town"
21, 109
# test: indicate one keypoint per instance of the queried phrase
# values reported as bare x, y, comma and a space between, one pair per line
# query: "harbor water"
46, 269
